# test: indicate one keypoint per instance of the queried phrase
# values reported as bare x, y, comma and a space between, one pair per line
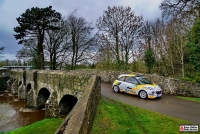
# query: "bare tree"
80, 39
119, 27
159, 46
56, 44
147, 33
154, 37
180, 8
177, 38
104, 57
30, 52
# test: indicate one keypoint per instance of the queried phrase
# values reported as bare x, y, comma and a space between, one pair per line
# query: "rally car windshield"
142, 80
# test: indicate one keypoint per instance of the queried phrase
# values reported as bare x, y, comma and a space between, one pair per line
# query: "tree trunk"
126, 58
117, 49
41, 40
51, 61
73, 51
182, 57
54, 60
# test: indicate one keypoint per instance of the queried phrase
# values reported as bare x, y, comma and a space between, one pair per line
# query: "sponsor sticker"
188, 128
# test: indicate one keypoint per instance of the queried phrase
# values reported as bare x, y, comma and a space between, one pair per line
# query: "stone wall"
169, 85
63, 82
80, 119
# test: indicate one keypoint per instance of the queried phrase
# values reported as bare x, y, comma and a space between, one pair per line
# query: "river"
15, 114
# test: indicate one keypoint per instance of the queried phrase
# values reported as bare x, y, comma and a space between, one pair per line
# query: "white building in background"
17, 67
23, 67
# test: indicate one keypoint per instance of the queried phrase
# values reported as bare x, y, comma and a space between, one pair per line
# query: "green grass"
189, 98
46, 126
114, 117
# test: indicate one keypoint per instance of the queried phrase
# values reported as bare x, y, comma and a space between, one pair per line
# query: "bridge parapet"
16, 74
62, 82
80, 119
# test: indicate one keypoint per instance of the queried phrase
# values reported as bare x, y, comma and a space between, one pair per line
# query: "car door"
121, 83
130, 85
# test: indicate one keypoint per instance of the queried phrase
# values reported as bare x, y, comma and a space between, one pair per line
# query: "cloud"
90, 9
8, 41
149, 9
8, 56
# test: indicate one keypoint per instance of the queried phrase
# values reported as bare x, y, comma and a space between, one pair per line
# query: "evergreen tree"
33, 24
149, 59
194, 46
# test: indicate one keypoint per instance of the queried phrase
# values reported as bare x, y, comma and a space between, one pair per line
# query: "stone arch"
42, 97
20, 83
28, 88
66, 104
14, 79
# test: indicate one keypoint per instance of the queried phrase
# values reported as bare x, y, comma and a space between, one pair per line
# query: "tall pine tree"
33, 24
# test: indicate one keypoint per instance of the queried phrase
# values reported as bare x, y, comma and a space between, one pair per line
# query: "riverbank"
117, 118
14, 112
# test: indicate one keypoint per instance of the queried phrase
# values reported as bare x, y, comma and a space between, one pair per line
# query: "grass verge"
114, 117
189, 98
46, 126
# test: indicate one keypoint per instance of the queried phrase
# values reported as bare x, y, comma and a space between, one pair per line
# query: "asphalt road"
167, 104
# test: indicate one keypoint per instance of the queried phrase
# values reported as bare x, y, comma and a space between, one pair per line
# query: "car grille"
158, 92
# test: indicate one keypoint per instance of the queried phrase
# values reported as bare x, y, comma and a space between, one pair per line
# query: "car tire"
116, 89
143, 94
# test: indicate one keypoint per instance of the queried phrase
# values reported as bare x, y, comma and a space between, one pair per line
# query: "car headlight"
150, 88
158, 88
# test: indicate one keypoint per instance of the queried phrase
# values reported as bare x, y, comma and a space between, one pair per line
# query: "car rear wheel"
143, 94
116, 89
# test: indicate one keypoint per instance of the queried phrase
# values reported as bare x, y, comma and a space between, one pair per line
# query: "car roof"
130, 75
127, 75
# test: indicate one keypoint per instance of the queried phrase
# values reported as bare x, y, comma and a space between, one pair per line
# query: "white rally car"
136, 85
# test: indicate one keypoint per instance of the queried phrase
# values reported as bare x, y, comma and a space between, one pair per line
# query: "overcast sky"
90, 9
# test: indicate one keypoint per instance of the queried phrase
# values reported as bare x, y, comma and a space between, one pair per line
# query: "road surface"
167, 104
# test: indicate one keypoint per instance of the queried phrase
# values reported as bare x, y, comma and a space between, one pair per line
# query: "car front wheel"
143, 94
116, 89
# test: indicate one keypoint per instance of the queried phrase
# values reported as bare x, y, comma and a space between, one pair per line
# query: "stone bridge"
76, 93
60, 93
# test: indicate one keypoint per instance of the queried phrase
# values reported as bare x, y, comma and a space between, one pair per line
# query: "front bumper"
155, 95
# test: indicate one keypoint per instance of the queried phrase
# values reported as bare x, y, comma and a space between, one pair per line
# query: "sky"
89, 9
